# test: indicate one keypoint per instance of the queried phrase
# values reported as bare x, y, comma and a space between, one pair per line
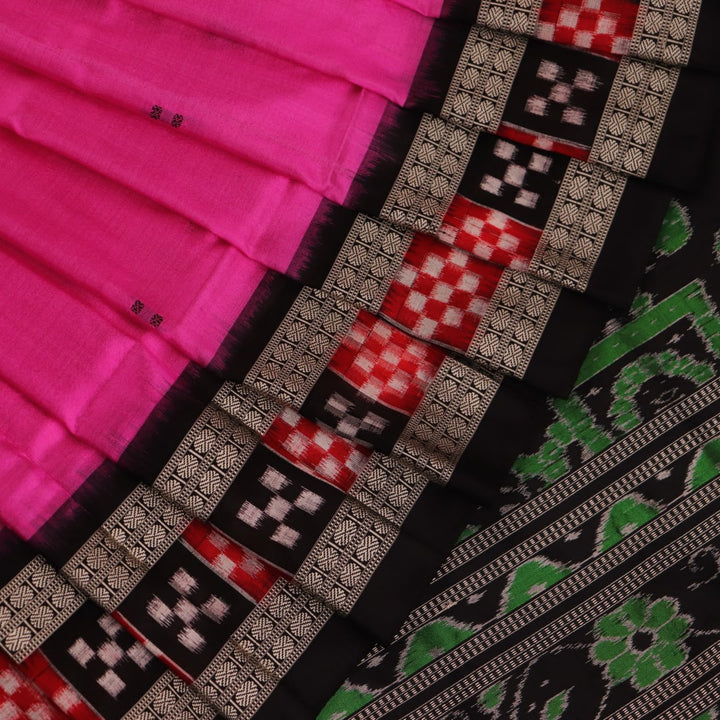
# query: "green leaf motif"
625, 516
706, 466
556, 706
532, 578
492, 697
676, 230
430, 642
344, 703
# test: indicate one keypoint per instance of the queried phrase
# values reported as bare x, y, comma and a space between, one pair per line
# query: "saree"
277, 320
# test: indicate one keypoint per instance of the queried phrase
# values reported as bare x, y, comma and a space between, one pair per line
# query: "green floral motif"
641, 641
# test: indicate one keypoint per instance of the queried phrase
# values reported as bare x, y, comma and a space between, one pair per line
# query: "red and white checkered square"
489, 234
385, 364
542, 142
56, 688
320, 452
603, 26
440, 293
240, 566
20, 699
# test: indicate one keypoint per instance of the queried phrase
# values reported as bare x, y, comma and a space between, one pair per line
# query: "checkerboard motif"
440, 293
108, 666
560, 94
244, 568
603, 26
108, 657
276, 509
516, 180
319, 451
184, 607
19, 699
385, 364
489, 234
56, 688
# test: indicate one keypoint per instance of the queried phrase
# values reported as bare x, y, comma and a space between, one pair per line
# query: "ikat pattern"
597, 487
385, 364
103, 661
560, 93
603, 26
318, 451
184, 607
276, 509
306, 471
489, 234
440, 293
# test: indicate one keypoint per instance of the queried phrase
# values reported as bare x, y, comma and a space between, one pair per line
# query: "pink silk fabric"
123, 248
70, 368
429, 8
376, 44
261, 213
296, 121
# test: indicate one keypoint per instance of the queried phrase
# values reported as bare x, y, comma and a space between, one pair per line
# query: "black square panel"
103, 661
560, 92
276, 509
515, 179
185, 609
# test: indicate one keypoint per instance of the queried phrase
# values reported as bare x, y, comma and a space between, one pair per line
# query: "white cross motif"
562, 92
279, 507
186, 611
110, 655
